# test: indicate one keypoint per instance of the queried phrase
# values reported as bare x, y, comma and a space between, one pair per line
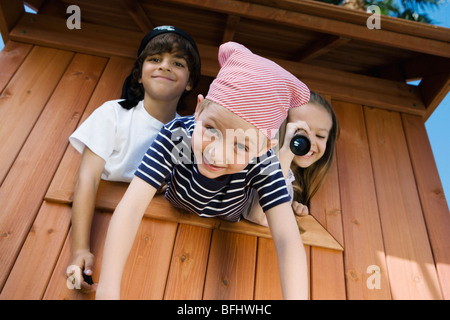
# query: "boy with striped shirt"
213, 160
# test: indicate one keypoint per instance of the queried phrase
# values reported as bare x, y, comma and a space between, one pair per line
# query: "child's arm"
290, 252
85, 192
121, 233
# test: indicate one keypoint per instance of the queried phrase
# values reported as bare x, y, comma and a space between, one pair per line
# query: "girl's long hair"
308, 180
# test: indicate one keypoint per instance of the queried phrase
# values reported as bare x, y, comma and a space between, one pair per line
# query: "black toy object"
87, 279
300, 144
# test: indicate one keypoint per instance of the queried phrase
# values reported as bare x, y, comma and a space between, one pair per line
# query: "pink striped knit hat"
256, 89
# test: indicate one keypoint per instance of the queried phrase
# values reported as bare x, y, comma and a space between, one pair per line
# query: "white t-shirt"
119, 136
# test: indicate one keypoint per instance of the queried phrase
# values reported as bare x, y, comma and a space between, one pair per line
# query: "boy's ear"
200, 98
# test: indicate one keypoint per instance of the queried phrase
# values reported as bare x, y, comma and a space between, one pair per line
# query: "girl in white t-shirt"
115, 137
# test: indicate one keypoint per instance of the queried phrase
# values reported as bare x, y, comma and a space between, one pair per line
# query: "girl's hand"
285, 154
291, 129
82, 259
299, 209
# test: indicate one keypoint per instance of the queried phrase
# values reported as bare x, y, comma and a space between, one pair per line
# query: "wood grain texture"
409, 258
34, 266
23, 190
188, 266
24, 99
434, 205
363, 236
108, 88
231, 267
327, 266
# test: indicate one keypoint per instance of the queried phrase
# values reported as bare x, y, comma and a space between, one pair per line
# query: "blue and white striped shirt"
170, 157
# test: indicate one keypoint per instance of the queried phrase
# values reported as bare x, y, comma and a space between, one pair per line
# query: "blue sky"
437, 124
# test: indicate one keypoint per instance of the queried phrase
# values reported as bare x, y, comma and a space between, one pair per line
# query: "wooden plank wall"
59, 99
382, 200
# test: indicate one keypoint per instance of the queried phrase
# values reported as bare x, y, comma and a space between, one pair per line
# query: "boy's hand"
83, 260
299, 209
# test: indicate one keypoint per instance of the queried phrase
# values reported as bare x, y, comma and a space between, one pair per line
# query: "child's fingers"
300, 209
89, 264
292, 128
88, 288
302, 125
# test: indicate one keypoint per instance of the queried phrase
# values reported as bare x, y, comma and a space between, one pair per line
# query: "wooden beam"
324, 25
321, 47
34, 4
138, 14
434, 89
110, 193
230, 29
108, 41
425, 66
91, 39
361, 89
330, 11
10, 13
413, 69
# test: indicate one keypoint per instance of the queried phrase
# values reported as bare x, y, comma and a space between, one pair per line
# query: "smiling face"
165, 76
320, 124
224, 143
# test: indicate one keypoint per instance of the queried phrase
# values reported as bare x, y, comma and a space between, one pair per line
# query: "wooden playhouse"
382, 206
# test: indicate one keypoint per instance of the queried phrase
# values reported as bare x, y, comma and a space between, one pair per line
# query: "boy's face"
165, 76
224, 143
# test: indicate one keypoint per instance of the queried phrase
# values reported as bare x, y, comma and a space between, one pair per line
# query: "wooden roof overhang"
328, 47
